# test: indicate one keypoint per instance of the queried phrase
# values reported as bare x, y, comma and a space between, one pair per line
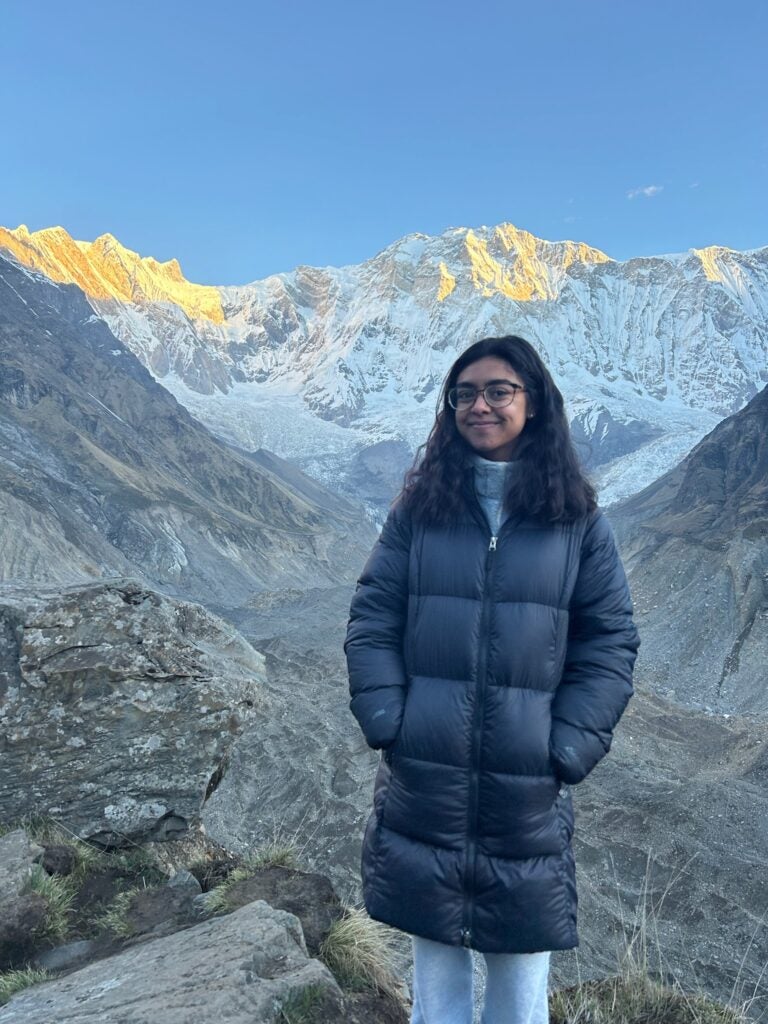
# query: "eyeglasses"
495, 395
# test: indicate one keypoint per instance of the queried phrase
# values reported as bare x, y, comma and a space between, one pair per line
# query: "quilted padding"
490, 678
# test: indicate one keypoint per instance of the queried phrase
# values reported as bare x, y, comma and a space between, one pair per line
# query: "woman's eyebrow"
496, 380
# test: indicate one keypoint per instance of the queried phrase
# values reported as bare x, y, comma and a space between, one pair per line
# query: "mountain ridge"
106, 269
51, 242
321, 364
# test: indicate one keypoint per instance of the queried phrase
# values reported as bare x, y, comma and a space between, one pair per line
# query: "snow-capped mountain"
339, 368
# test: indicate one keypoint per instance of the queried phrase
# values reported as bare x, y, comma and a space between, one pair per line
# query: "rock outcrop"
240, 968
21, 912
18, 855
239, 949
118, 708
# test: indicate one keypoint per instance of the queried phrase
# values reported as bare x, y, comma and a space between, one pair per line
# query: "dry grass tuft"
274, 854
357, 950
636, 999
636, 995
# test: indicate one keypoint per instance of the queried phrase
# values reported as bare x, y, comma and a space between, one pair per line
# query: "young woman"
490, 651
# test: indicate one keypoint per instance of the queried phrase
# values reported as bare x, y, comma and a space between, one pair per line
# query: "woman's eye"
500, 392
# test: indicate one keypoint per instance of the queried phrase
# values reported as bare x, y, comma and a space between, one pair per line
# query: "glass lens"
463, 397
496, 395
500, 394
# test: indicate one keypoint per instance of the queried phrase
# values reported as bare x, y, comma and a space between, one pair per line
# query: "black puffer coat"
492, 672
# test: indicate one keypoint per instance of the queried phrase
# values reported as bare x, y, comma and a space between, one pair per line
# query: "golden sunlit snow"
530, 275
447, 282
105, 269
709, 261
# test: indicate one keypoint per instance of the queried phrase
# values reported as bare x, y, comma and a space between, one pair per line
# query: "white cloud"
648, 191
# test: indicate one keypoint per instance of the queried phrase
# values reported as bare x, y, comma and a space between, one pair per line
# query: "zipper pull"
466, 938
492, 545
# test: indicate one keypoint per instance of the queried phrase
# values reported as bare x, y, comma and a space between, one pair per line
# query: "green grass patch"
58, 894
306, 1006
139, 863
48, 832
271, 855
12, 982
116, 918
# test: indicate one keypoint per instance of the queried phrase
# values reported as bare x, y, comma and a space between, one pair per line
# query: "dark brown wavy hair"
437, 487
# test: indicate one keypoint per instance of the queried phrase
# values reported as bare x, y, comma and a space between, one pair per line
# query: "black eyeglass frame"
452, 395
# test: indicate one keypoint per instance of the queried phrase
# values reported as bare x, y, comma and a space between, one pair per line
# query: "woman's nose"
480, 396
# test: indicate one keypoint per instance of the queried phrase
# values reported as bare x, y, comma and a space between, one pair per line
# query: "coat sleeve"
374, 644
600, 655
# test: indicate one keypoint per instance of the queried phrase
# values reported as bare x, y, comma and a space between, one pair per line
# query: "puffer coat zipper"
477, 735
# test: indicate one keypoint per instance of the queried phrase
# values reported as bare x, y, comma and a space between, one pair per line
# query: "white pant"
515, 990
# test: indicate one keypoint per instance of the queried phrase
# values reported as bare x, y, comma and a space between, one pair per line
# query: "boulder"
118, 708
22, 914
309, 896
18, 855
68, 956
21, 920
186, 881
240, 968
59, 859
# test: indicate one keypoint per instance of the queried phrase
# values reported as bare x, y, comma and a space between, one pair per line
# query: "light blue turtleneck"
490, 483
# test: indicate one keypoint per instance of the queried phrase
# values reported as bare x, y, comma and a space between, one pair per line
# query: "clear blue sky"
246, 138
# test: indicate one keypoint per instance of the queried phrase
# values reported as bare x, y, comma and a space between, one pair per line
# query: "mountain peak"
519, 265
711, 258
105, 269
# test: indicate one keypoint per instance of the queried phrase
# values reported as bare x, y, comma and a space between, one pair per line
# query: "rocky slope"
695, 543
321, 365
146, 939
103, 473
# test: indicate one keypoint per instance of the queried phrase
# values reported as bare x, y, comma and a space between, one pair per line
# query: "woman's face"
490, 432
